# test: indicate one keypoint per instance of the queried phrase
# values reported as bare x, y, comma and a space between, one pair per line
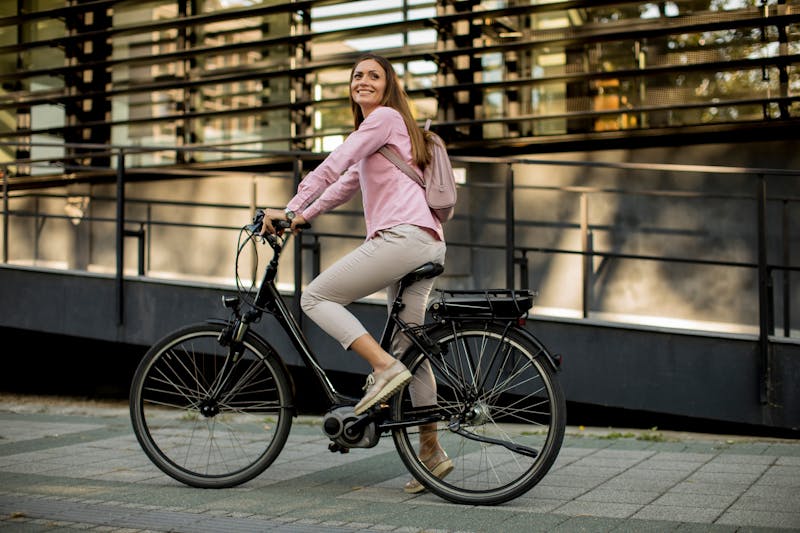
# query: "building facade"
498, 77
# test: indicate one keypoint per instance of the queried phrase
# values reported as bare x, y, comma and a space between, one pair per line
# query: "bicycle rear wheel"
503, 413
207, 419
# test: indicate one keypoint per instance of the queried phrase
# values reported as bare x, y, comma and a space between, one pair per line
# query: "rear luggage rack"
486, 304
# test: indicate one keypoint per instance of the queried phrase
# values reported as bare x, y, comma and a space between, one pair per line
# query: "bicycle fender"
553, 361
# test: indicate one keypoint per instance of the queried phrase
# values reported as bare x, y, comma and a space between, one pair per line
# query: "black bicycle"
212, 403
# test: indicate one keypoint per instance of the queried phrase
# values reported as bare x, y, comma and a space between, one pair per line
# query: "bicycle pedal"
334, 447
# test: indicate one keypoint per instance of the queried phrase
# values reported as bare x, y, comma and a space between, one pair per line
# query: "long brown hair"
395, 97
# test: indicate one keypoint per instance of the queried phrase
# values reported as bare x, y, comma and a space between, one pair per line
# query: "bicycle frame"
268, 297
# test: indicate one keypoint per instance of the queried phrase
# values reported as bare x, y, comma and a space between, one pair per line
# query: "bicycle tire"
205, 440
494, 383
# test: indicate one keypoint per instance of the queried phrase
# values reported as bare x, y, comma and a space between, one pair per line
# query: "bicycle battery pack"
486, 304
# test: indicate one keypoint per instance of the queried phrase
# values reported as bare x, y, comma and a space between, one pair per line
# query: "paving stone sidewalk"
78, 467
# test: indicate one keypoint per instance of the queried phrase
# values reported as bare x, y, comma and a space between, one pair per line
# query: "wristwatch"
290, 215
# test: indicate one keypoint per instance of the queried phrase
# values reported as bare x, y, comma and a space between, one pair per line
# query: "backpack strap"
392, 156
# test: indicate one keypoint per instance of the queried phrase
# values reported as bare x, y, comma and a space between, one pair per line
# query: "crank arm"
359, 423
455, 427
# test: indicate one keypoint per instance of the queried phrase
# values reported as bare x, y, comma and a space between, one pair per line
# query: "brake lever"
258, 222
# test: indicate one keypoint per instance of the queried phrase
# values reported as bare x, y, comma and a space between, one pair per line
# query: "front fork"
232, 336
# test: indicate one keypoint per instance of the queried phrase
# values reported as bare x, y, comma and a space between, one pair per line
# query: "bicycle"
212, 403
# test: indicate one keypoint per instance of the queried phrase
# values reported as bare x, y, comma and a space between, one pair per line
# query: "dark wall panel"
653, 370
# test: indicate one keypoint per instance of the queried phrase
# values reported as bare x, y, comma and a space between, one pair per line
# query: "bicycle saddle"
428, 270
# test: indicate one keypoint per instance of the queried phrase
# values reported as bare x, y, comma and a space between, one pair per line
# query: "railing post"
37, 228
765, 377
139, 234
587, 247
298, 249
4, 172
141, 249
120, 237
148, 236
316, 261
253, 207
786, 278
510, 237
522, 261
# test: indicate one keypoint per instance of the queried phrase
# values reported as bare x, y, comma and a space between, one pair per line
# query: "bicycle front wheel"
205, 416
500, 407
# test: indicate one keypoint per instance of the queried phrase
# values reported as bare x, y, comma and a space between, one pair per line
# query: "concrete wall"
707, 377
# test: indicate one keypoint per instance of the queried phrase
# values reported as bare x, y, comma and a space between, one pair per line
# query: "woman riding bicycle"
402, 233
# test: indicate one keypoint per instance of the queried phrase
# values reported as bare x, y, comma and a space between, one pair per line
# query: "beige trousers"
378, 264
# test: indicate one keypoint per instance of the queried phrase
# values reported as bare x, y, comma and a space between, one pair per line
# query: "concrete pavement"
76, 466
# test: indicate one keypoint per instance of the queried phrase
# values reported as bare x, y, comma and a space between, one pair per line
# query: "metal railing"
517, 257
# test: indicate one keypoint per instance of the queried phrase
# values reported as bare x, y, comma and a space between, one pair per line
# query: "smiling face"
368, 85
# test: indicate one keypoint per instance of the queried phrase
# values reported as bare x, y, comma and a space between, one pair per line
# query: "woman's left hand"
269, 216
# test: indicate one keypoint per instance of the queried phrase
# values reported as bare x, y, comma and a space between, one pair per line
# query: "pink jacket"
390, 197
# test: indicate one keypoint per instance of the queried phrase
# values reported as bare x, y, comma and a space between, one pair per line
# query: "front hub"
209, 408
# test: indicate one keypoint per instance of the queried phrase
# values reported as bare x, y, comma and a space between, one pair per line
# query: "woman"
402, 234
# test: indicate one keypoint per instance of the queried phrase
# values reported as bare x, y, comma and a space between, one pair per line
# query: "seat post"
426, 271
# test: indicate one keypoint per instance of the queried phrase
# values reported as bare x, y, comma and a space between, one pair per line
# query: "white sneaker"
383, 385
